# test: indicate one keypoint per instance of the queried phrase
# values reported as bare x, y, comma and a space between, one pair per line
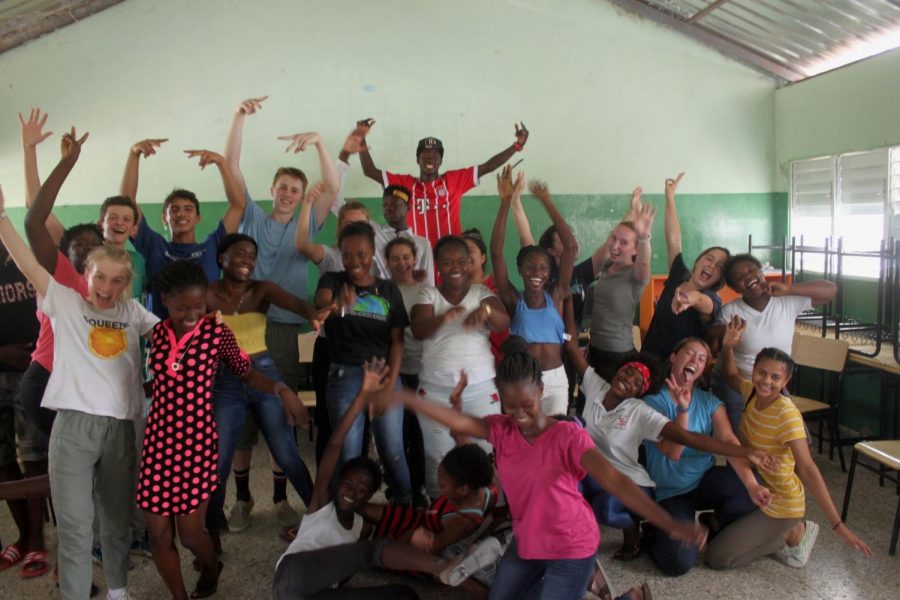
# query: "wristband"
682, 410
644, 239
487, 310
518, 146
836, 525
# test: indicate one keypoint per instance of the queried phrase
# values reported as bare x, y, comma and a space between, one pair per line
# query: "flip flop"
37, 563
11, 555
627, 554
599, 584
204, 589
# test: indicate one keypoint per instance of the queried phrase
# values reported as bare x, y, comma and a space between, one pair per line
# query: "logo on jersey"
371, 306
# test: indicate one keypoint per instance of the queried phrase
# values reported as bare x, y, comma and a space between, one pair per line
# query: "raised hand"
681, 301
680, 394
672, 185
505, 185
734, 330
643, 220
539, 190
70, 146
148, 147
364, 125
250, 105
634, 204
456, 394
764, 460
32, 129
521, 134
207, 157
314, 192
299, 141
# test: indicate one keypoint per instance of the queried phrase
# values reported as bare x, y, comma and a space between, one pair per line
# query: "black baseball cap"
429, 143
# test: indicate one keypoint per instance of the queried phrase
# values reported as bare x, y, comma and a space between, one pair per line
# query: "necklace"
175, 366
241, 303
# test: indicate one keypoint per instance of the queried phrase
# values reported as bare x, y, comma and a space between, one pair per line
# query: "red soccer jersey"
434, 206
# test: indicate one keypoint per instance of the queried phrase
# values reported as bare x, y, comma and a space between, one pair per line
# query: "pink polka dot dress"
179, 461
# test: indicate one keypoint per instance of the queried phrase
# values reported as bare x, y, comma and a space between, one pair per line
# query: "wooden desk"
654, 289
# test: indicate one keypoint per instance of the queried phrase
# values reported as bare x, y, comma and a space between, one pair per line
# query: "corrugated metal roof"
25, 20
789, 39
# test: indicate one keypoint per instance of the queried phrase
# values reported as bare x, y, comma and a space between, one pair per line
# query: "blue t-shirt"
278, 259
677, 477
158, 252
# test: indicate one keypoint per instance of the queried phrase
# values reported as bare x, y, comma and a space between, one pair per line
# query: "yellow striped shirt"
770, 430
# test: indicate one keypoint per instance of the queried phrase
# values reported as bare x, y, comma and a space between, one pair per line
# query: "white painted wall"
612, 101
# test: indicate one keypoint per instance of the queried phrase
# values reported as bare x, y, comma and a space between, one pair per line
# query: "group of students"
155, 368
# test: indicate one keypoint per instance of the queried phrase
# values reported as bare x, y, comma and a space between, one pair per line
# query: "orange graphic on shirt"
107, 343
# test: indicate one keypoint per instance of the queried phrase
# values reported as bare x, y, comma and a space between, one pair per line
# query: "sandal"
37, 563
206, 588
11, 555
288, 534
599, 583
627, 553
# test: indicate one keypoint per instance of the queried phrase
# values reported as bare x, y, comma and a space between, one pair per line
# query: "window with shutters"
852, 197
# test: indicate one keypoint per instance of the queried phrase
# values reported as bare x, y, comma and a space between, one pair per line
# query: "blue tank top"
539, 325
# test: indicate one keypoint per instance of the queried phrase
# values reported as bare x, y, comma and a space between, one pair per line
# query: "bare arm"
506, 189
32, 135
237, 202
672, 225
456, 421
636, 500
759, 494
21, 253
234, 140
40, 238
373, 382
295, 411
523, 227
129, 185
811, 477
570, 245
308, 248
819, 291
674, 432
280, 297
579, 362
423, 321
365, 158
499, 159
642, 219
330, 182
732, 337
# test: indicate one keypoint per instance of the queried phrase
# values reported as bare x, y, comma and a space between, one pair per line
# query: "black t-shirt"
365, 330
17, 308
667, 329
582, 278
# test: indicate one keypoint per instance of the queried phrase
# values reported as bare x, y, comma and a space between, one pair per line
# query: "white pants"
555, 400
479, 400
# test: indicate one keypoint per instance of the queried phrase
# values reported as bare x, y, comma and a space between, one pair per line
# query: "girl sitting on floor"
771, 421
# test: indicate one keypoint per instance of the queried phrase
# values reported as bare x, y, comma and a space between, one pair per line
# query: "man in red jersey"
436, 197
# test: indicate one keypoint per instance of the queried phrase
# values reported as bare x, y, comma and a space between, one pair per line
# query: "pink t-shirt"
551, 519
66, 275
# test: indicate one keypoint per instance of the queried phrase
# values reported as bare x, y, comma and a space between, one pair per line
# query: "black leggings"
31, 390
314, 573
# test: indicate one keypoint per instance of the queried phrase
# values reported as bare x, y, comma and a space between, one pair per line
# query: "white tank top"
322, 529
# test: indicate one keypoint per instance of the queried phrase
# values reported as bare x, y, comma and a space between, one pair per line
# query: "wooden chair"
886, 456
830, 357
305, 344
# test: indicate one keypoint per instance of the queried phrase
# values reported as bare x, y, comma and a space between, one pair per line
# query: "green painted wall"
849, 109
708, 220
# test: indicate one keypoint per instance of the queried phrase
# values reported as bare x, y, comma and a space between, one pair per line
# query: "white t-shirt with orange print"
96, 354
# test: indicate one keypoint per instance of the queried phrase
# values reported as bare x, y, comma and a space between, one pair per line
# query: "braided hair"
517, 365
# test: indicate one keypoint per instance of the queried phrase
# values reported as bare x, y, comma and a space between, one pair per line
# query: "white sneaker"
287, 516
797, 556
239, 517
482, 554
